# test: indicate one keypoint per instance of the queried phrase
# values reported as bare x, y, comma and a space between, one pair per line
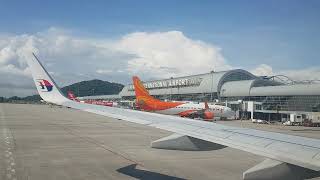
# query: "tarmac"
40, 142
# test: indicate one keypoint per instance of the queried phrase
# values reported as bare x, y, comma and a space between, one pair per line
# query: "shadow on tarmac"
132, 171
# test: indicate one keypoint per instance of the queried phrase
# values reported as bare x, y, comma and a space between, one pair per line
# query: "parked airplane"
102, 103
72, 96
193, 110
287, 156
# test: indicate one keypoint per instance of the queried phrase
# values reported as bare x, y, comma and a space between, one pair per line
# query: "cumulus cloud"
73, 58
166, 54
304, 74
296, 75
263, 70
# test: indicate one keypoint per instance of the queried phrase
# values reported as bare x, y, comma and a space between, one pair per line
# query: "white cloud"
153, 55
263, 70
296, 75
148, 54
104, 71
303, 74
166, 54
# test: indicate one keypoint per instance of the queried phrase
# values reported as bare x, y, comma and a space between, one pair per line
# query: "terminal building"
268, 98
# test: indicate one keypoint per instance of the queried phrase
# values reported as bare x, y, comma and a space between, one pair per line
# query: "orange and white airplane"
193, 110
102, 103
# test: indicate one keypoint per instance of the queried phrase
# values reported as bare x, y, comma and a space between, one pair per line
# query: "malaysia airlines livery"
192, 110
287, 156
101, 103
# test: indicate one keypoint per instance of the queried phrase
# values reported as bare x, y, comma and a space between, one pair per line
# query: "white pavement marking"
8, 138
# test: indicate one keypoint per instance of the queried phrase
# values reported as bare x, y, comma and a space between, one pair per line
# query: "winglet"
47, 88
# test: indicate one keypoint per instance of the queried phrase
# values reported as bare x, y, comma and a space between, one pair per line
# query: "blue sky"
279, 36
282, 33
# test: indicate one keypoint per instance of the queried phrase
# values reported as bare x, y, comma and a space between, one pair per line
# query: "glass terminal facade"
283, 103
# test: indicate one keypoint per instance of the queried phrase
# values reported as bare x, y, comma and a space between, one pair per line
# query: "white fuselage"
218, 110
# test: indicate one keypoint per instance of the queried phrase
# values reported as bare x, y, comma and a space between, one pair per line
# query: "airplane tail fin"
47, 88
206, 106
139, 89
72, 96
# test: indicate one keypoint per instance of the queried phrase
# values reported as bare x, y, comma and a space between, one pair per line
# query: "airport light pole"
78, 90
211, 99
93, 91
171, 89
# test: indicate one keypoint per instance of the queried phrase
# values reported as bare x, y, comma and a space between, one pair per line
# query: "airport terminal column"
211, 99
171, 89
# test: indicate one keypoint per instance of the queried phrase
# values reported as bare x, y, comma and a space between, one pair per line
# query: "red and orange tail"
72, 96
146, 102
206, 106
139, 89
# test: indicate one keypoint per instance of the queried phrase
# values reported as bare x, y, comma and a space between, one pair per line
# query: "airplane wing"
285, 153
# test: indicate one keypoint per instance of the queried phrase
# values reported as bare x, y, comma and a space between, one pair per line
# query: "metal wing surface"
299, 151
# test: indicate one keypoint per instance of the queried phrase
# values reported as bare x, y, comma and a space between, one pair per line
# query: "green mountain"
93, 88
83, 88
